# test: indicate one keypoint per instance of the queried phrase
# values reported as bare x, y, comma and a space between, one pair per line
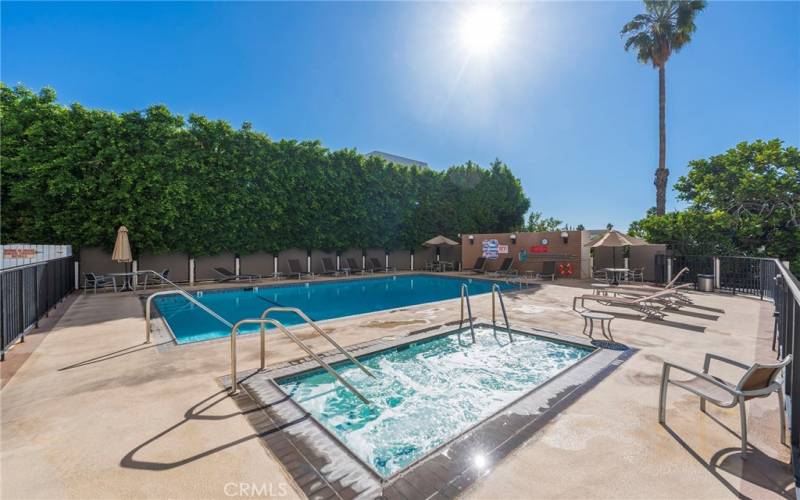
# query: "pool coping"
157, 314
317, 460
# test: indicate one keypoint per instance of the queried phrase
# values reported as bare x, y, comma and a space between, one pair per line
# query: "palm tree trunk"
662, 174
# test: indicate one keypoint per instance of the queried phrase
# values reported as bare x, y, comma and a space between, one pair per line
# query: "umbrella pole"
614, 263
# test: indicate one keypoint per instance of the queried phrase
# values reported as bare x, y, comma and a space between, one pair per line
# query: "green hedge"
72, 175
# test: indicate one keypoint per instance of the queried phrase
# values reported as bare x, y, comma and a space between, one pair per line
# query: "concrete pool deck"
93, 412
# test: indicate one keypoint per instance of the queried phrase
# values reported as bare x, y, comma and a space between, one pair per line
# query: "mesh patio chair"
96, 281
156, 280
296, 270
548, 270
329, 268
758, 381
505, 268
377, 266
355, 268
480, 264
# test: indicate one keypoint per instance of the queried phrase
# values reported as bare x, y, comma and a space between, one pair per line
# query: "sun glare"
482, 29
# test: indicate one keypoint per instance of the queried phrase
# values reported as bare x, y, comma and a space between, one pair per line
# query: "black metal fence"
27, 293
786, 293
768, 279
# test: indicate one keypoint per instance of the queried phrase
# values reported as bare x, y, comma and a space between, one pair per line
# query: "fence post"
412, 260
669, 269
274, 263
338, 262
237, 266
717, 280
191, 271
77, 275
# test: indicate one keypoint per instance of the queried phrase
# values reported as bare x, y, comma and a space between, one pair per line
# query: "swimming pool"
320, 301
428, 392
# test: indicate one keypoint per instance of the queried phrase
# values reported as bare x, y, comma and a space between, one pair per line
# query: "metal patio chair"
758, 381
96, 281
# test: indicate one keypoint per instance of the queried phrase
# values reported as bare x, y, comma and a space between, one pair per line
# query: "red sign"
539, 249
19, 253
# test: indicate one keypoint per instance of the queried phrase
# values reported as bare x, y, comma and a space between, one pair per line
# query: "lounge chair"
505, 268
649, 305
355, 268
758, 381
548, 270
480, 264
673, 285
95, 281
672, 300
225, 275
295, 270
377, 266
329, 269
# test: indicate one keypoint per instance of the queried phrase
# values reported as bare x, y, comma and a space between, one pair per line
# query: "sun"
482, 29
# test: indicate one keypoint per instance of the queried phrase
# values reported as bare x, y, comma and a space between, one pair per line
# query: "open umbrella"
122, 251
613, 238
439, 241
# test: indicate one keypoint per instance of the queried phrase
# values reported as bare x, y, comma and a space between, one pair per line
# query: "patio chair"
296, 270
377, 266
96, 281
480, 264
329, 268
636, 274
225, 275
156, 279
672, 300
758, 381
548, 270
649, 305
430, 266
355, 268
505, 268
601, 276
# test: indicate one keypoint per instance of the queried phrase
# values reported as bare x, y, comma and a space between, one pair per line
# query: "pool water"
427, 393
320, 301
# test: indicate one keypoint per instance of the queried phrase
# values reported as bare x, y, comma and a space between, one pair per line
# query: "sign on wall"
539, 249
502, 248
490, 249
523, 255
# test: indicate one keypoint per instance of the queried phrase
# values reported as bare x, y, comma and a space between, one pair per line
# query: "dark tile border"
322, 466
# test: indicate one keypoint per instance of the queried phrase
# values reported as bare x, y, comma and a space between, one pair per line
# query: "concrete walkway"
95, 413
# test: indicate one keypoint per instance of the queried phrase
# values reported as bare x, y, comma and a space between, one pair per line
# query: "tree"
537, 223
72, 175
667, 26
744, 201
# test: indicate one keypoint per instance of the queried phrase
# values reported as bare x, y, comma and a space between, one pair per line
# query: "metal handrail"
179, 291
319, 330
465, 294
279, 326
496, 288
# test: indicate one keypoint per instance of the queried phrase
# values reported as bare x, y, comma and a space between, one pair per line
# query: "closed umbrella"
613, 238
122, 252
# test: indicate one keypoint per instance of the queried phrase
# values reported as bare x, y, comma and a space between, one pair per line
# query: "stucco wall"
556, 250
177, 263
257, 263
300, 254
400, 260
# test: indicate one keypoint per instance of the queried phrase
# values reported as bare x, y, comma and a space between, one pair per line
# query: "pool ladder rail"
496, 289
465, 300
180, 291
264, 320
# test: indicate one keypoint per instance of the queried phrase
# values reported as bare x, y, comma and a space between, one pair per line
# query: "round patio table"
589, 318
617, 272
126, 284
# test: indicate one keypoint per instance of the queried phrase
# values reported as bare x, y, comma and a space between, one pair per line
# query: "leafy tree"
744, 201
73, 175
665, 28
536, 222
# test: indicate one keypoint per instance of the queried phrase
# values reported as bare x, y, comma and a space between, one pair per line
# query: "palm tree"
665, 28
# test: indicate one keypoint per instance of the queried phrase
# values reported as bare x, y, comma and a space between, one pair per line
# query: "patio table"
618, 272
443, 265
127, 283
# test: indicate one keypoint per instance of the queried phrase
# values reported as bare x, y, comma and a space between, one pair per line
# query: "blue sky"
558, 100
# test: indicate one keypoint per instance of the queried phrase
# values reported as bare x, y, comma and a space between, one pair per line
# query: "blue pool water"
320, 301
425, 394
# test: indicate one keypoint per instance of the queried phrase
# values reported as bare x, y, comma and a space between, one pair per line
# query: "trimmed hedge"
72, 175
